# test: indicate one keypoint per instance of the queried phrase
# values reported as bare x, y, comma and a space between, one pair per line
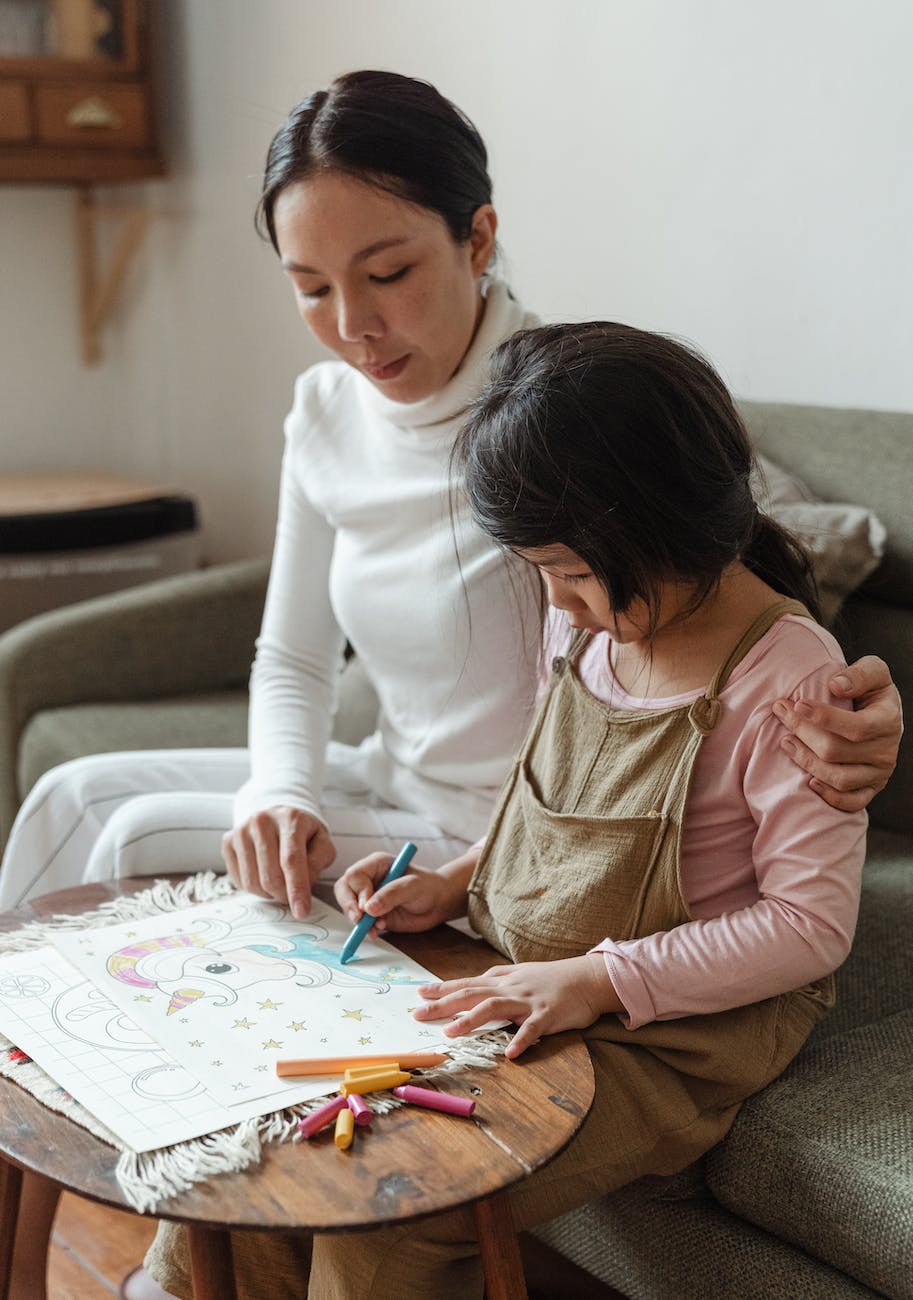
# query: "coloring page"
110, 1065
232, 986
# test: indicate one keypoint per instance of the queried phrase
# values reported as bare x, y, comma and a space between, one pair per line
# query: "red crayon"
444, 1101
321, 1117
360, 1109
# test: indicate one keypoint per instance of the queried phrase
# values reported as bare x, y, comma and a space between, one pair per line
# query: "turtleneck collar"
501, 318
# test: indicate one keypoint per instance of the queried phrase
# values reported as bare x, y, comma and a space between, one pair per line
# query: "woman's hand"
850, 756
542, 997
279, 853
419, 900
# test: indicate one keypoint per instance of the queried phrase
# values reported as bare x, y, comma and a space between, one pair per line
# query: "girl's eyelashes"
567, 577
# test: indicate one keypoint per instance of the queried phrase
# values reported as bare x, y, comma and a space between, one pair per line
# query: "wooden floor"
94, 1247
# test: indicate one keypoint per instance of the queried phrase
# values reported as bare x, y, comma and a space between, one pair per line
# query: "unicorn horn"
182, 998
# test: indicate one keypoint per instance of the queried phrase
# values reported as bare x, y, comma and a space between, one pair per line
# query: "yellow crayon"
374, 1082
345, 1129
359, 1072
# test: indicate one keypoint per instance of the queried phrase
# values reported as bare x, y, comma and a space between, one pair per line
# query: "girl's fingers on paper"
527, 1035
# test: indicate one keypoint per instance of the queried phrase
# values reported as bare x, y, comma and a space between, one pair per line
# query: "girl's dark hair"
627, 448
391, 131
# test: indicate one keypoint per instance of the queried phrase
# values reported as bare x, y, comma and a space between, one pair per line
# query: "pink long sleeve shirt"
769, 871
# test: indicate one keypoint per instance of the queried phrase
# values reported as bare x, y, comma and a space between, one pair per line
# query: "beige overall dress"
584, 844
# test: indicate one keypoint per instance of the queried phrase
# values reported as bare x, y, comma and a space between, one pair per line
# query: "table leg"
499, 1249
10, 1192
211, 1265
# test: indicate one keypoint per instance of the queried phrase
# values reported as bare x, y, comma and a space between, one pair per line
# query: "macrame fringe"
149, 1177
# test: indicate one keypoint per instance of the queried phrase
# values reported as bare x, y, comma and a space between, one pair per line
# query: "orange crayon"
339, 1064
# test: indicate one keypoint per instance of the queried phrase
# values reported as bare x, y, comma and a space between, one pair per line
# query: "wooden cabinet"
76, 92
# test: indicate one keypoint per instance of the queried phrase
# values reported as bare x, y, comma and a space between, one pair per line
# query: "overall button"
558, 664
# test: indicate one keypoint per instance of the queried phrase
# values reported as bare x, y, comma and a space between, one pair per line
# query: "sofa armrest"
181, 635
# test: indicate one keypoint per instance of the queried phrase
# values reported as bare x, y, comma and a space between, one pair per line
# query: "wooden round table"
412, 1162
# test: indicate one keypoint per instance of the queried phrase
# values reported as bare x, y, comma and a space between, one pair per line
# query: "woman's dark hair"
625, 447
391, 131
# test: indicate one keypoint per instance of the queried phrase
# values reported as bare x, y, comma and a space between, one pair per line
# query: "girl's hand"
542, 997
279, 853
850, 756
419, 900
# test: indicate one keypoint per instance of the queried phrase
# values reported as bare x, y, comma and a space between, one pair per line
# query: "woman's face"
381, 282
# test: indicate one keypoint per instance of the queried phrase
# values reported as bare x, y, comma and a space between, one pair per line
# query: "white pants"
152, 812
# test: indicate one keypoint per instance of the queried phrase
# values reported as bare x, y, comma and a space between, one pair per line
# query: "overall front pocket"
555, 884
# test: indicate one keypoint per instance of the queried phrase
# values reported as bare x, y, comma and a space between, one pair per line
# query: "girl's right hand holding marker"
419, 900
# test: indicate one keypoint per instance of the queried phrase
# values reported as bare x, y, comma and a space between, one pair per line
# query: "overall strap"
705, 711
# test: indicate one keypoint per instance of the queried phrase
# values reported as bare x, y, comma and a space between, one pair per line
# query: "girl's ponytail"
775, 556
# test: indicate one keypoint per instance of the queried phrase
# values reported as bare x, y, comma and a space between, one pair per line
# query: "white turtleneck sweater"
367, 542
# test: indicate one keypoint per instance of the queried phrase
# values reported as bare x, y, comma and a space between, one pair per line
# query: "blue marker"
400, 863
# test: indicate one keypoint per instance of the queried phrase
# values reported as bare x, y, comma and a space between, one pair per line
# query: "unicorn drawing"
215, 958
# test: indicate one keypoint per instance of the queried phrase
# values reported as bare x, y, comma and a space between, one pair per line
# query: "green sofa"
811, 1195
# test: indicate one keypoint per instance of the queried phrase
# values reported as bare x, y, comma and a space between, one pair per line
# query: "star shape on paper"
271, 1042
389, 972
363, 1042
140, 997
236, 1087
324, 1040
296, 1026
261, 1069
269, 1005
131, 934
355, 1014
215, 1063
195, 1042
185, 1020
243, 1023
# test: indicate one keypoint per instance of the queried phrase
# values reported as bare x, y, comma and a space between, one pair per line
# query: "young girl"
656, 870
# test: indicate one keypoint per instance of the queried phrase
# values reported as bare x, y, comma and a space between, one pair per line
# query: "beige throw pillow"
846, 542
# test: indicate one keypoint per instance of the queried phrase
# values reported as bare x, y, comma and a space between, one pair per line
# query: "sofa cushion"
845, 541
877, 978
651, 1243
824, 1157
54, 736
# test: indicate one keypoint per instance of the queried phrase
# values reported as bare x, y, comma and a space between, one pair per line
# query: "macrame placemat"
149, 1177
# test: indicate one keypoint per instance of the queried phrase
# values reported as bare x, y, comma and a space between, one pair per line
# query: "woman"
378, 201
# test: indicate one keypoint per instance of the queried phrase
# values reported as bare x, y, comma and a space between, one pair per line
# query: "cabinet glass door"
84, 31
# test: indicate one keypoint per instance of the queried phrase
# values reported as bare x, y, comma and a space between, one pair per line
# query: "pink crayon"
435, 1100
320, 1118
360, 1109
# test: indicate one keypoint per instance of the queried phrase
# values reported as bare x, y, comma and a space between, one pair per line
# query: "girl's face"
381, 282
572, 586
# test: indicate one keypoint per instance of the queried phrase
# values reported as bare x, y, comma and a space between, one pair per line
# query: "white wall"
736, 173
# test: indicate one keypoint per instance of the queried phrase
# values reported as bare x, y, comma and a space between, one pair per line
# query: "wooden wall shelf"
77, 107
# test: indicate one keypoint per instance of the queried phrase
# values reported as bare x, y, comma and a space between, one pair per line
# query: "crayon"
352, 1073
360, 1109
375, 1082
398, 868
337, 1064
321, 1117
444, 1101
345, 1128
